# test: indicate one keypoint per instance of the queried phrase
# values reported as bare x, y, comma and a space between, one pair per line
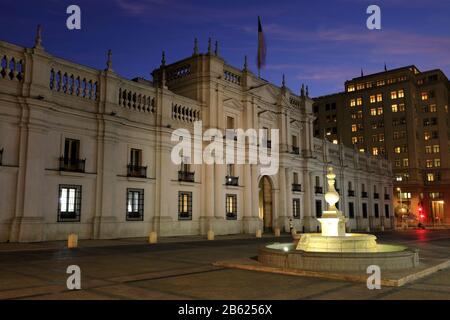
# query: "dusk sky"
319, 43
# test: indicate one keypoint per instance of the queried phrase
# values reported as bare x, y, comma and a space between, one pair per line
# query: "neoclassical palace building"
87, 151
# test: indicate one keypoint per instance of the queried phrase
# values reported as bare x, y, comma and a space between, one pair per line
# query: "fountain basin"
387, 257
350, 242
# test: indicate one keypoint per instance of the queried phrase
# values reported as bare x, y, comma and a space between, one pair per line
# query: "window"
394, 95
398, 163
350, 88
401, 107
354, 128
427, 136
318, 208
394, 108
354, 140
432, 108
429, 163
380, 111
424, 96
69, 206
372, 99
351, 210
352, 102
406, 162
373, 112
231, 206
375, 151
296, 208
386, 211
430, 177
436, 148
428, 149
437, 163
136, 157
380, 83
401, 94
317, 181
295, 177
376, 210
364, 210
135, 205
359, 102
185, 205
230, 122
71, 150
379, 97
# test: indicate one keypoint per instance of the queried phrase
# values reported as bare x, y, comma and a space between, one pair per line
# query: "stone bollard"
72, 241
259, 233
210, 235
153, 237
277, 232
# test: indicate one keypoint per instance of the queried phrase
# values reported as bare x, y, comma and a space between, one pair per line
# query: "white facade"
45, 100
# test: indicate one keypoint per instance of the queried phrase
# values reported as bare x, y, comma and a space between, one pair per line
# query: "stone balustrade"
136, 99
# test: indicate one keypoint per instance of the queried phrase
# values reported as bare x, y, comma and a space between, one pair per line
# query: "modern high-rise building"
401, 115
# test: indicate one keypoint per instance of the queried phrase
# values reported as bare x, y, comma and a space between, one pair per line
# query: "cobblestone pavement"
181, 268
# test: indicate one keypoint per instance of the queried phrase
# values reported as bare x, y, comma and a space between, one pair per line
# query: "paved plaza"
181, 268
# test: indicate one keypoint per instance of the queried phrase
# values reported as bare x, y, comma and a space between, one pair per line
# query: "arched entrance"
266, 203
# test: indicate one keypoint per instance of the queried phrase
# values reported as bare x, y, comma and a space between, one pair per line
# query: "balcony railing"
376, 195
73, 165
296, 187
232, 181
387, 197
364, 194
186, 176
351, 193
136, 171
318, 190
295, 150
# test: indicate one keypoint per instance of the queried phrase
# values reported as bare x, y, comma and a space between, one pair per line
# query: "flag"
261, 46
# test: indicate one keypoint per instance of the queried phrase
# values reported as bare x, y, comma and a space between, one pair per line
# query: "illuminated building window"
359, 102
353, 115
394, 108
350, 88
379, 97
231, 206
361, 139
398, 163
380, 111
381, 137
335, 141
437, 163
428, 150
354, 140
352, 102
375, 138
401, 94
354, 128
380, 83
427, 136
406, 162
405, 195
359, 114
360, 86
184, 205
375, 151
430, 177
429, 163
433, 108
436, 148
369, 85
394, 95
372, 99
373, 112
401, 107
362, 150
424, 96
435, 195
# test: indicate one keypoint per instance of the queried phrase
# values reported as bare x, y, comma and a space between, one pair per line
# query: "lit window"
381, 137
380, 83
430, 177
397, 149
427, 136
397, 163
424, 95
401, 107
394, 95
380, 111
362, 150
69, 207
135, 205
354, 128
406, 162
184, 205
373, 112
437, 163
436, 148
375, 151
352, 102
372, 99
428, 149
231, 206
433, 108
429, 163
401, 94
359, 102
350, 88
394, 108
354, 140
379, 97
360, 86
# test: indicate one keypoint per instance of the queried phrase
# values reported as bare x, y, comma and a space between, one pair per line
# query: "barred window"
364, 210
135, 205
185, 205
319, 208
377, 212
386, 211
351, 210
231, 206
296, 208
69, 203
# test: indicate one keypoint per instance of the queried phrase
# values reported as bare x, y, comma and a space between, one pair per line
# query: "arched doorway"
266, 203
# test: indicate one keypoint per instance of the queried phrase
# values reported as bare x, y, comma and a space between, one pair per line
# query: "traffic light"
421, 213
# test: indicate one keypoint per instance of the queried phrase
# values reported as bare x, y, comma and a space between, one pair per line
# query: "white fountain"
333, 237
335, 250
